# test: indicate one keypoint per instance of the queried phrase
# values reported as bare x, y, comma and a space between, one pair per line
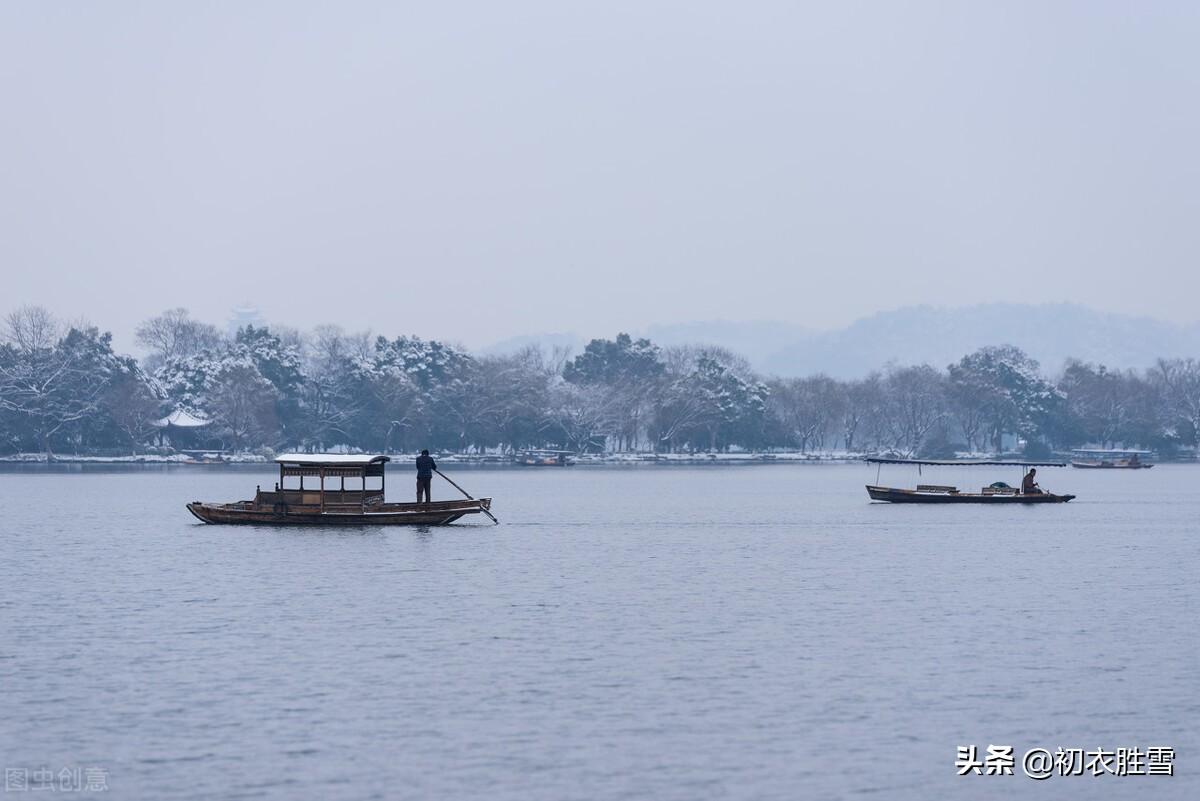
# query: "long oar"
464, 492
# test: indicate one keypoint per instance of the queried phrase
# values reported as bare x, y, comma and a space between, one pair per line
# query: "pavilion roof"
181, 418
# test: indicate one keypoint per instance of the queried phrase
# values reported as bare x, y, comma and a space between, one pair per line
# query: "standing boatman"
425, 468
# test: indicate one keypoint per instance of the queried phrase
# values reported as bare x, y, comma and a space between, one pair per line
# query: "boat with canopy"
997, 492
544, 458
343, 489
1110, 459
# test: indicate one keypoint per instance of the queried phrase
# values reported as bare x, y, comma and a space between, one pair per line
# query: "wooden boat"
543, 458
997, 493
1110, 460
925, 494
1105, 464
327, 505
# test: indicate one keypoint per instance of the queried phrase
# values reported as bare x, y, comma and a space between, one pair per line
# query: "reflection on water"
677, 633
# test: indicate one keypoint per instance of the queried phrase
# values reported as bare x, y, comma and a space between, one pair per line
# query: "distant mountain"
1050, 333
758, 341
505, 347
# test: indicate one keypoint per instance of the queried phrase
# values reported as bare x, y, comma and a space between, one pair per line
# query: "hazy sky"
472, 171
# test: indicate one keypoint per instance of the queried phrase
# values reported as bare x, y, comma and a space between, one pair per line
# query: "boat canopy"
332, 459
1111, 452
953, 463
331, 465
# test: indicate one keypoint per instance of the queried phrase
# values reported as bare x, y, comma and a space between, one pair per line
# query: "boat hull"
437, 513
894, 495
1109, 466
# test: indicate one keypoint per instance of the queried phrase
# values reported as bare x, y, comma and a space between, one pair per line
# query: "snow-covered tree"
862, 405
629, 371
915, 405
242, 404
808, 409
1180, 380
1108, 407
53, 385
580, 416
730, 401
202, 383
427, 362
331, 397
1004, 386
175, 335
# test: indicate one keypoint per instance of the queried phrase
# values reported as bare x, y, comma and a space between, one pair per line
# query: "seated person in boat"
1029, 484
425, 468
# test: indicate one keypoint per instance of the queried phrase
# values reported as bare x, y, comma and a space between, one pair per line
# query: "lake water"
668, 633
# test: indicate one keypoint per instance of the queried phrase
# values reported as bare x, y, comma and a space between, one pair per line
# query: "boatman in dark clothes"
425, 468
1029, 484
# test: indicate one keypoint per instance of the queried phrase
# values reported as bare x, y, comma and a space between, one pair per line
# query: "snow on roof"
181, 419
331, 458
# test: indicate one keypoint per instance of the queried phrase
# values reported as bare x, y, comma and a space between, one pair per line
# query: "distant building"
243, 316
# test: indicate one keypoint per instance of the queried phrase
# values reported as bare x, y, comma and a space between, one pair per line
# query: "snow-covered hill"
1050, 333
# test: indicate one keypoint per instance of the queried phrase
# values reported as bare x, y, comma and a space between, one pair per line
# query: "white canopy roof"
181, 419
346, 459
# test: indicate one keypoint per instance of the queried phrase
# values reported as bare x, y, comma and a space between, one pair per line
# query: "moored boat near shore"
325, 504
1090, 459
544, 458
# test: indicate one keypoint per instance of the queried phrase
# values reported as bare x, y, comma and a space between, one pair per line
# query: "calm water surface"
667, 633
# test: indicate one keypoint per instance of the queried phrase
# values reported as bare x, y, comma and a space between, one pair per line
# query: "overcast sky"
472, 171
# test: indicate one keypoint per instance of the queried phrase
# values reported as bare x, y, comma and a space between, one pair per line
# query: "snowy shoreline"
146, 458
214, 459
450, 458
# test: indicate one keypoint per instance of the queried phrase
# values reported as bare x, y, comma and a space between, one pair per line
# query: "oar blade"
469, 496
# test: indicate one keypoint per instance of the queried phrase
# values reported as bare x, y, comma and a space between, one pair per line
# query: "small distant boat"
330, 502
544, 458
1105, 464
996, 493
1110, 460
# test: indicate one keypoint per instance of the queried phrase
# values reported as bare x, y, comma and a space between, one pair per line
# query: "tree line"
64, 389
